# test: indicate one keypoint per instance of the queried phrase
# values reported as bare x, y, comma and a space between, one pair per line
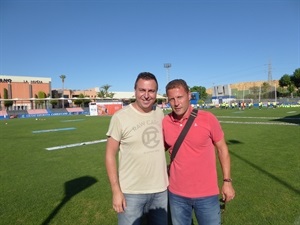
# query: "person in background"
139, 182
193, 173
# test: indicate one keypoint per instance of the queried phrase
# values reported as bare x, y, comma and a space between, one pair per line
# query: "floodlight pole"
275, 93
168, 66
243, 94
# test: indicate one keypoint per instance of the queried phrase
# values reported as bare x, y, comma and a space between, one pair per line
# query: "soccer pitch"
52, 169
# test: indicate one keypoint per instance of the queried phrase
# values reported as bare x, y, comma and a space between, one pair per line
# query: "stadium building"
25, 93
23, 90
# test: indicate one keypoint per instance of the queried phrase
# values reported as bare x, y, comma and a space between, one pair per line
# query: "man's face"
145, 94
179, 100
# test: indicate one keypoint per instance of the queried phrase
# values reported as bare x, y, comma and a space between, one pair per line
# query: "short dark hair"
177, 83
146, 76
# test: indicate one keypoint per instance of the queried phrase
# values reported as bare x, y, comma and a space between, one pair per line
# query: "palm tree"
104, 93
105, 88
63, 77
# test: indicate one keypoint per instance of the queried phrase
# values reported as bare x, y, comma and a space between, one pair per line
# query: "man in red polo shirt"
193, 174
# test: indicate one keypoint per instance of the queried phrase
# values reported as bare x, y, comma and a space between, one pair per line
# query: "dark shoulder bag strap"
183, 133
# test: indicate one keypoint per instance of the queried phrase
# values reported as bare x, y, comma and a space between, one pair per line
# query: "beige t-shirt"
142, 162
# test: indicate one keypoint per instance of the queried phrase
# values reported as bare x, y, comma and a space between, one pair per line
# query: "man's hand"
119, 202
228, 192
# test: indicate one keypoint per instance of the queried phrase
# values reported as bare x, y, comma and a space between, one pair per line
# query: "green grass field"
69, 185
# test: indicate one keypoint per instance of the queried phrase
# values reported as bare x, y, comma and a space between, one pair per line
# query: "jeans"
152, 206
207, 210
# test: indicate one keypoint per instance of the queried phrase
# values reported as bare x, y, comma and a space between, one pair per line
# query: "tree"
63, 77
86, 102
295, 78
54, 103
82, 101
104, 93
201, 90
41, 96
290, 82
282, 92
7, 103
285, 80
291, 89
79, 101
101, 94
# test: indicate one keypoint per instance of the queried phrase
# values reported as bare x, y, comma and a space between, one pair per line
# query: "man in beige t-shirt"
139, 182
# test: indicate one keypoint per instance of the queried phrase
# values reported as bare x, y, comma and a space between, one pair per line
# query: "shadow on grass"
287, 185
72, 188
290, 119
229, 142
232, 142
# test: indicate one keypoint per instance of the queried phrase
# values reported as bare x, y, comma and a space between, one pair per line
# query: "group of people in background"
137, 138
242, 105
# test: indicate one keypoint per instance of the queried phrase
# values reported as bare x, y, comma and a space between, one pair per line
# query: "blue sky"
99, 42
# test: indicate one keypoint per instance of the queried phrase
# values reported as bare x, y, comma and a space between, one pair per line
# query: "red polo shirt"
193, 172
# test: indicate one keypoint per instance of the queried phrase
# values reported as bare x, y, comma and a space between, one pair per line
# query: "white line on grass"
249, 117
292, 112
75, 145
264, 123
104, 140
53, 130
64, 121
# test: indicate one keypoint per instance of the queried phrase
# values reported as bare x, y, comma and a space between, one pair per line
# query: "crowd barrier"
33, 113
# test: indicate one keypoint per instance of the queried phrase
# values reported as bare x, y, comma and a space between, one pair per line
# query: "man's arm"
112, 148
228, 192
